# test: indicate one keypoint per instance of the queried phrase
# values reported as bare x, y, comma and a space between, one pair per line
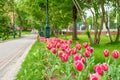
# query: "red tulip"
79, 65
115, 54
96, 66
78, 46
83, 60
54, 50
54, 44
58, 45
69, 41
85, 44
60, 53
68, 51
105, 66
106, 53
73, 51
49, 46
77, 57
87, 53
64, 57
94, 76
98, 69
91, 49
63, 47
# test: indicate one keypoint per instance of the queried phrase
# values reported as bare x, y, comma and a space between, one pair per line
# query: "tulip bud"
98, 69
77, 57
105, 66
60, 54
94, 76
85, 44
54, 50
90, 49
106, 53
73, 51
79, 65
115, 54
64, 57
49, 46
78, 46
83, 60
87, 53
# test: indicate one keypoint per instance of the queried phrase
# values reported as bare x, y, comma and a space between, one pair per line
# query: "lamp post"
47, 28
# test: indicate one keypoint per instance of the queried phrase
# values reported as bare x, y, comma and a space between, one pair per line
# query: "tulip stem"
115, 70
87, 66
79, 77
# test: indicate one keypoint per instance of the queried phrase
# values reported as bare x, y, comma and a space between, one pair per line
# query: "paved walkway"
12, 54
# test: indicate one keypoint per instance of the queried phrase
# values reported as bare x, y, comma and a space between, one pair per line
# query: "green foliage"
4, 20
33, 13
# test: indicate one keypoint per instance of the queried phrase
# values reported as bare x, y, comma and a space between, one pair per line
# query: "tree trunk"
118, 28
102, 20
106, 24
20, 27
81, 12
118, 34
96, 32
74, 23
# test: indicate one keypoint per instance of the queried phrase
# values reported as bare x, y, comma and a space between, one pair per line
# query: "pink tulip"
49, 46
58, 45
68, 51
94, 76
77, 57
83, 60
54, 45
98, 69
115, 54
69, 41
64, 57
79, 65
54, 50
96, 66
78, 46
85, 44
87, 53
73, 51
63, 47
60, 53
105, 66
91, 49
106, 53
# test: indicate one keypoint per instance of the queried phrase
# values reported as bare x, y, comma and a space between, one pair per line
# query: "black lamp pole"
47, 28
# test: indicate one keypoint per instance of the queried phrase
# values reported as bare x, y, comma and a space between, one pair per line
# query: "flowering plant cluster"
81, 56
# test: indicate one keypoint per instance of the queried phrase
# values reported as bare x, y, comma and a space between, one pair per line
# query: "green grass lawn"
24, 32
34, 66
98, 49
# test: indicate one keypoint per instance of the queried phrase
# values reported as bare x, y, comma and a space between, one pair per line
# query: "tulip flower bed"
58, 59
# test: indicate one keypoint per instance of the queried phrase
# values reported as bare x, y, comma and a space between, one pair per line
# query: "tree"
74, 22
81, 11
60, 15
4, 20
